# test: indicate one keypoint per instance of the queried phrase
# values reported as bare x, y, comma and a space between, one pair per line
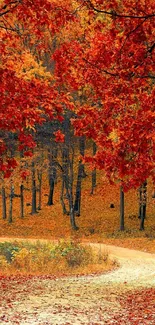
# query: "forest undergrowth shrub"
48, 258
7, 250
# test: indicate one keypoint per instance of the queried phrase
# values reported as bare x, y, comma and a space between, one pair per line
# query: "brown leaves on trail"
137, 308
47, 300
14, 290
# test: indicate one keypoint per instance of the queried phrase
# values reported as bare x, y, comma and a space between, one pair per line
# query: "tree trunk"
4, 216
51, 191
77, 202
121, 209
65, 178
52, 173
70, 198
34, 207
65, 212
82, 146
72, 217
143, 205
70, 191
39, 189
81, 174
22, 201
11, 203
67, 167
94, 170
140, 201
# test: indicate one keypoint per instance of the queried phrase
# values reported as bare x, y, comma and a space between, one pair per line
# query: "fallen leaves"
43, 300
137, 307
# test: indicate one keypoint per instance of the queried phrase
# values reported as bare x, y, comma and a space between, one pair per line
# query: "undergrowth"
51, 259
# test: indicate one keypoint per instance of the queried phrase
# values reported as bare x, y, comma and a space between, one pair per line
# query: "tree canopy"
96, 58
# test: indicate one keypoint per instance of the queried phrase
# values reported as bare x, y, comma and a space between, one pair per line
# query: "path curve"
84, 300
136, 268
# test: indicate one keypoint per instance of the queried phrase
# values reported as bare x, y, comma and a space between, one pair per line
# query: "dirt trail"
136, 268
84, 300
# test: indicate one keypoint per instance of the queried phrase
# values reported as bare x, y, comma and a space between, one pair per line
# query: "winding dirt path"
84, 300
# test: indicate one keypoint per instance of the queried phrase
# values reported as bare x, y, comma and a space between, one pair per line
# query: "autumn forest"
77, 139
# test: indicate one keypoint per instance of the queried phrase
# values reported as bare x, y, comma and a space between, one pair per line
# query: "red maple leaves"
116, 62
59, 136
106, 61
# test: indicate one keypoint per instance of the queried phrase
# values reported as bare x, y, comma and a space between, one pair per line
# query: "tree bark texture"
34, 190
52, 156
11, 203
121, 209
22, 201
93, 176
4, 216
143, 203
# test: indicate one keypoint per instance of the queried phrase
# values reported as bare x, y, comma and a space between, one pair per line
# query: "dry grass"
45, 258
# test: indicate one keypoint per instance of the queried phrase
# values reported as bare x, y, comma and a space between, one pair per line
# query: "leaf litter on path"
123, 296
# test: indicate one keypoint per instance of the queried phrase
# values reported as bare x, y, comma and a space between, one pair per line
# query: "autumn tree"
28, 90
101, 50
115, 58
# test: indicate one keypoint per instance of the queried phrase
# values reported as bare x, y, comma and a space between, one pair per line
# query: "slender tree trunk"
4, 216
67, 167
51, 191
82, 145
93, 171
140, 202
143, 215
65, 178
143, 204
81, 174
77, 203
11, 203
22, 201
34, 207
12, 152
52, 174
39, 189
121, 209
72, 214
65, 212
70, 195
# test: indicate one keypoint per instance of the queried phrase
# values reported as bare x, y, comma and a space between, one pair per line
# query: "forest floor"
97, 223
123, 296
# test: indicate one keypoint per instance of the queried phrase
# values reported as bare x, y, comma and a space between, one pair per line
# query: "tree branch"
102, 70
131, 75
15, 3
151, 48
114, 14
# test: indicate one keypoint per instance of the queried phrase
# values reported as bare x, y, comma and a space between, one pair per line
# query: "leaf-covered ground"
98, 222
136, 308
43, 300
123, 296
